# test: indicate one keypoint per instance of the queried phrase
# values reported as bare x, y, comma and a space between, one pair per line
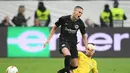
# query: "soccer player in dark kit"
70, 24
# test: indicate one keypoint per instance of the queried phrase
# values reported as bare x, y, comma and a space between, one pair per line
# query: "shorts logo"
63, 45
76, 26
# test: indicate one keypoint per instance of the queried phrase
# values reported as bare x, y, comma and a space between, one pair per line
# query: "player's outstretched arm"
51, 34
85, 40
95, 69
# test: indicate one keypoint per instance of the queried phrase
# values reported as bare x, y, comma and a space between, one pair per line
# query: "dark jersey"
69, 28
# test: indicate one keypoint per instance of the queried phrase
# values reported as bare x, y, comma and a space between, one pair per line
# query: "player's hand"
45, 44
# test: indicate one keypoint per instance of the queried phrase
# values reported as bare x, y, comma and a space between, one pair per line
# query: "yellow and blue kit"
85, 64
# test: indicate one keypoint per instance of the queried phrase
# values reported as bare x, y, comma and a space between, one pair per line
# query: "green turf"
51, 65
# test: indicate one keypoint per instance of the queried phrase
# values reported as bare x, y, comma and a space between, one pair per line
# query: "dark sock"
67, 61
64, 70
66, 64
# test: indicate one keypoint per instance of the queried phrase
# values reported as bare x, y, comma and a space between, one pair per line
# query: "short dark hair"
106, 6
78, 7
41, 3
21, 6
116, 3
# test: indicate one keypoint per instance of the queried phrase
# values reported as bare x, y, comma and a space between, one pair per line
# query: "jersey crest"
76, 26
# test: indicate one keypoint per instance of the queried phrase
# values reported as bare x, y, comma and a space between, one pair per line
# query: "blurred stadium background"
92, 9
23, 46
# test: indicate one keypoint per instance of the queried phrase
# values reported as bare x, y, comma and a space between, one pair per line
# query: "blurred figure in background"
118, 15
5, 22
19, 19
90, 23
36, 22
42, 14
106, 17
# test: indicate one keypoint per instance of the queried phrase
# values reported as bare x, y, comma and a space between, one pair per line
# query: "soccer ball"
12, 69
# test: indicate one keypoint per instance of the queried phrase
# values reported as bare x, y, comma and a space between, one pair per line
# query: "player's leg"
67, 59
74, 63
74, 55
67, 55
64, 50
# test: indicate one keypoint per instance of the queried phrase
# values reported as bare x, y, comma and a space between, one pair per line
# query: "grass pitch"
51, 65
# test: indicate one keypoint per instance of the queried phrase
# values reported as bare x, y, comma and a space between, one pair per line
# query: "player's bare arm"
51, 34
85, 41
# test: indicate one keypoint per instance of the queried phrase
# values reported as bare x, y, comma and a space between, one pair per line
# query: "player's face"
22, 10
90, 52
77, 13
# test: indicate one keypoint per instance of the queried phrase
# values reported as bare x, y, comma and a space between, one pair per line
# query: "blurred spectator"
19, 19
118, 15
36, 22
5, 22
106, 17
90, 23
42, 14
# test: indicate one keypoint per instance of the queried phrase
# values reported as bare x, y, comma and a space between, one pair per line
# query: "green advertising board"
27, 42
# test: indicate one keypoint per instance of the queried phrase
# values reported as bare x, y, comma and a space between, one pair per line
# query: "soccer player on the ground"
70, 24
85, 61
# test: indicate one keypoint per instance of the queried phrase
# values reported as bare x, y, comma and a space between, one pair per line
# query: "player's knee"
73, 67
